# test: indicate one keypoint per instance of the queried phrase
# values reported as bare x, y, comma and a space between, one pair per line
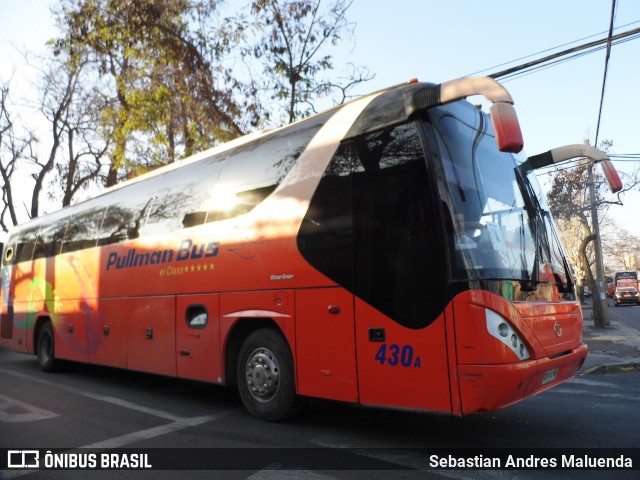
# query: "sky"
437, 41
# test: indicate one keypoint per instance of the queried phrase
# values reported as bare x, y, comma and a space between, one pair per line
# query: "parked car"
626, 295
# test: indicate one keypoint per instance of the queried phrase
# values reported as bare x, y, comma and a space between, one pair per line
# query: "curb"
619, 343
612, 368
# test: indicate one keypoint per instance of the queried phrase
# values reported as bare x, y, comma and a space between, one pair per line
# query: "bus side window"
230, 184
373, 209
128, 210
397, 228
326, 234
183, 199
82, 231
49, 239
255, 170
23, 244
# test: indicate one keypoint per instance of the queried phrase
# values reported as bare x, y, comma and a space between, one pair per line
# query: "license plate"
550, 376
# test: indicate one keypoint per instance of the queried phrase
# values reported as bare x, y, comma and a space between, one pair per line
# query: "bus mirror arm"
561, 154
503, 116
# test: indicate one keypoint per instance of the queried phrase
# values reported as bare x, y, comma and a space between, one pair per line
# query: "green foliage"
135, 84
166, 98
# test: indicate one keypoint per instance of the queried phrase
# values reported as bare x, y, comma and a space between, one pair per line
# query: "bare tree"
131, 86
624, 248
72, 102
15, 146
292, 41
60, 88
568, 201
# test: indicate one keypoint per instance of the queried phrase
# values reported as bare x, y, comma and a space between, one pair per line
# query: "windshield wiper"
534, 277
539, 219
532, 208
565, 263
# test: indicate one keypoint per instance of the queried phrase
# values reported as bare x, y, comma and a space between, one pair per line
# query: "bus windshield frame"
627, 278
497, 220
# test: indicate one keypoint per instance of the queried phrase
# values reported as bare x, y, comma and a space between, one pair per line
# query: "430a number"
397, 355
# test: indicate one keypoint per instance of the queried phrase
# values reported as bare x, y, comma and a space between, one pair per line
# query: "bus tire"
46, 348
265, 376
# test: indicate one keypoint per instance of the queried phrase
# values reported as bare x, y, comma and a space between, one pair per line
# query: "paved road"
616, 346
629, 314
101, 408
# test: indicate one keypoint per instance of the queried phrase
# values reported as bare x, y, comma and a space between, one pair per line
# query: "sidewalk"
611, 349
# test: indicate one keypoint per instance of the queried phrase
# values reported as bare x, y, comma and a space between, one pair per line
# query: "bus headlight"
500, 328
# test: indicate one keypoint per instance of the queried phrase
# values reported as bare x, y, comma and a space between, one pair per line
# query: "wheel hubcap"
262, 374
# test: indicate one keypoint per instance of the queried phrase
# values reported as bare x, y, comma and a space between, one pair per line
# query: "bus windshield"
497, 220
626, 279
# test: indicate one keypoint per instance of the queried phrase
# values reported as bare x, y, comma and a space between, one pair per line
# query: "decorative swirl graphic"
42, 292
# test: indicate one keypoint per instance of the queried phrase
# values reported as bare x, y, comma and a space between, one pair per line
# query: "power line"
552, 59
537, 68
549, 49
606, 67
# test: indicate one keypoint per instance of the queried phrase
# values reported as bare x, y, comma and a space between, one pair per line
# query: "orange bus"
391, 252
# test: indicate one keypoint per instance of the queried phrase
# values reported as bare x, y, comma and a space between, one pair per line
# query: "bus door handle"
149, 333
185, 353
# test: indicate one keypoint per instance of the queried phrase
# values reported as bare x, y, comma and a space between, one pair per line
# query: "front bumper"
485, 388
626, 301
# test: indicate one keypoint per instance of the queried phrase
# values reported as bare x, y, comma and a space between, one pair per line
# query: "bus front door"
325, 344
401, 367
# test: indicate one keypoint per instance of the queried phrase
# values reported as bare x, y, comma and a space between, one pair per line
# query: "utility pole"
600, 311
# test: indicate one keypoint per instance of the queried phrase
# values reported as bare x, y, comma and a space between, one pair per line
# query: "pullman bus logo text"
186, 251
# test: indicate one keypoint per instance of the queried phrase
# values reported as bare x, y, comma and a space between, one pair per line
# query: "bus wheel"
265, 376
46, 348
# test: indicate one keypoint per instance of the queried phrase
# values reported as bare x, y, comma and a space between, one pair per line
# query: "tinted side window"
223, 186
83, 228
229, 184
50, 237
129, 208
185, 196
253, 171
326, 235
393, 259
24, 246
